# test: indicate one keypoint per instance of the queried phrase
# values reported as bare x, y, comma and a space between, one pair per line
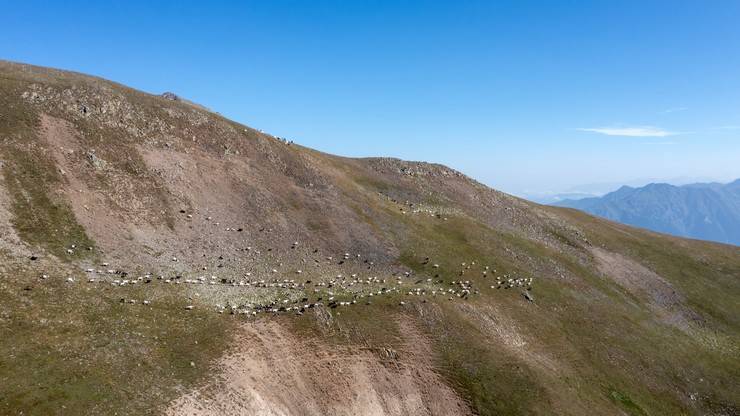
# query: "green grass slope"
623, 321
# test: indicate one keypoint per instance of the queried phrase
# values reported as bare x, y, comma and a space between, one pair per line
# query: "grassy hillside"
148, 245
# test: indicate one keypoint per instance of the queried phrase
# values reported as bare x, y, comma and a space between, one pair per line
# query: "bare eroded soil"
272, 372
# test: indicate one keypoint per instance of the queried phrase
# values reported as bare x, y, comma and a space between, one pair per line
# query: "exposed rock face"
170, 96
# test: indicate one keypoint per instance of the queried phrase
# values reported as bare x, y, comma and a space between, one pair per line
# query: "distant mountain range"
707, 211
598, 189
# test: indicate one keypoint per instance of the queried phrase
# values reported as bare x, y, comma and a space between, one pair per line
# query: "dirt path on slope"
270, 371
660, 295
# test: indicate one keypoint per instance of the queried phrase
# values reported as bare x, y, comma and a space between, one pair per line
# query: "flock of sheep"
297, 295
300, 293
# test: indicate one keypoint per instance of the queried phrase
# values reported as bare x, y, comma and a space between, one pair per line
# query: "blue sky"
528, 97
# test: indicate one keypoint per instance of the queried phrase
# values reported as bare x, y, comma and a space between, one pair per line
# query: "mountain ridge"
709, 211
158, 258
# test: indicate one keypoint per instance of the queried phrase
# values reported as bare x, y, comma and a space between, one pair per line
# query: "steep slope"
158, 258
704, 211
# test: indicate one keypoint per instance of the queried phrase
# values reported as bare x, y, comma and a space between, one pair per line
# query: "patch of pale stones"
291, 295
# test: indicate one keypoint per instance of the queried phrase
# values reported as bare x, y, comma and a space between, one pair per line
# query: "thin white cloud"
638, 131
674, 110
